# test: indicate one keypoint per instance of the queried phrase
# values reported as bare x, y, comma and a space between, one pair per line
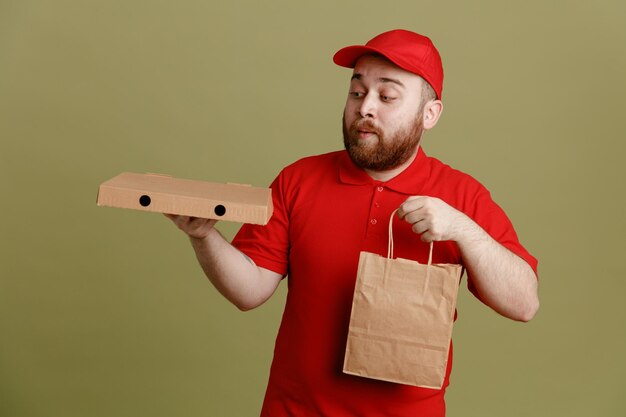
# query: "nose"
367, 107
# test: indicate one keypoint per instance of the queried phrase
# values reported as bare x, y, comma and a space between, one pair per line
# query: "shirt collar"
410, 181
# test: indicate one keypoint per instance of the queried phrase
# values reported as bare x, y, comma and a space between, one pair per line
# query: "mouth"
364, 130
364, 134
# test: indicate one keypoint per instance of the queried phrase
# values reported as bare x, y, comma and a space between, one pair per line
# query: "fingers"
182, 221
415, 210
411, 204
428, 237
432, 218
422, 226
419, 226
177, 219
195, 227
424, 215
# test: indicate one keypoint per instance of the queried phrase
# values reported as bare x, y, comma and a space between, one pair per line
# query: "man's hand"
195, 227
433, 218
501, 279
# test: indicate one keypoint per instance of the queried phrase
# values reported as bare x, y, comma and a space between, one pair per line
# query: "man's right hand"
195, 227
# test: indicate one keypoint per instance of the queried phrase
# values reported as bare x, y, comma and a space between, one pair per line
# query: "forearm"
501, 279
232, 273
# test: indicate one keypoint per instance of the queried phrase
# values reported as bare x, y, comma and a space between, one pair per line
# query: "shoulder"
459, 189
444, 176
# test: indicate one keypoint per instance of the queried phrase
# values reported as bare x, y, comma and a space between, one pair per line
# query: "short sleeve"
268, 246
492, 218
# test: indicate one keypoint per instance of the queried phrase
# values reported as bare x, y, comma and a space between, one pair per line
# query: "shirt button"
373, 221
377, 205
380, 189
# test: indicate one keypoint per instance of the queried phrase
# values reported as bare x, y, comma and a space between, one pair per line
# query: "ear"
432, 112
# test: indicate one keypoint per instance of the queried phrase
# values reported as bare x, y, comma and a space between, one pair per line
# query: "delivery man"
328, 208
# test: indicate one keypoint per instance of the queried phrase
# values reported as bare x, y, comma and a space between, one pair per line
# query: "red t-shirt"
326, 211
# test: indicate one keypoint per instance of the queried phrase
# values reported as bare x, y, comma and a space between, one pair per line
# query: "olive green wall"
104, 312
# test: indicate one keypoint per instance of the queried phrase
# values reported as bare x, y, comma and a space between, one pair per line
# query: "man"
328, 208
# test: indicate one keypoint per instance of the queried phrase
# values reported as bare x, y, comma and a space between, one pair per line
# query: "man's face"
382, 120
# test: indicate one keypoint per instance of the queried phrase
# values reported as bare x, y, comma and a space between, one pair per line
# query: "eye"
357, 94
387, 98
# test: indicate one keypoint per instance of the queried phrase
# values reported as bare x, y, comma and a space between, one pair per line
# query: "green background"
104, 312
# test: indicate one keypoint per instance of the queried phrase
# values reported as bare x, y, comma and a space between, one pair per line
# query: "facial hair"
389, 152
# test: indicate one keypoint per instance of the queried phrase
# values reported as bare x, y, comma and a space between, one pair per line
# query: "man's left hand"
433, 218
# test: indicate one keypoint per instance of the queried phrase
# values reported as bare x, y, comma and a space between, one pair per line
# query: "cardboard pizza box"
166, 194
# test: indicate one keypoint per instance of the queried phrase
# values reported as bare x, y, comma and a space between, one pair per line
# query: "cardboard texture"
166, 194
401, 321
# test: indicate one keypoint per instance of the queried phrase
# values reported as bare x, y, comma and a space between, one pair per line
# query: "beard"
389, 152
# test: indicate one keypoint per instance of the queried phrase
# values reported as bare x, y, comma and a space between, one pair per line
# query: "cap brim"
347, 57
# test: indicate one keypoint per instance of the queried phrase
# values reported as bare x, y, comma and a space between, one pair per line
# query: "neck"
384, 176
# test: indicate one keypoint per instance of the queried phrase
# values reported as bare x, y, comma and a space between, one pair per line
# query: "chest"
332, 224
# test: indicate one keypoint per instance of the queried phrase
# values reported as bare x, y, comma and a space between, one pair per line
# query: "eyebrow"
358, 76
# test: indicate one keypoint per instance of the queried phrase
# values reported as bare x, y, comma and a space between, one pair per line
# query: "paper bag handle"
390, 242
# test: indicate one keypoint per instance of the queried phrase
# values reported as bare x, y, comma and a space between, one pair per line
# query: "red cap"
408, 50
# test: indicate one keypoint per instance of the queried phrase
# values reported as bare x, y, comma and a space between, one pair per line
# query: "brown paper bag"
401, 321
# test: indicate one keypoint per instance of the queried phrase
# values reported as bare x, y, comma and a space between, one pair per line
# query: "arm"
501, 279
234, 275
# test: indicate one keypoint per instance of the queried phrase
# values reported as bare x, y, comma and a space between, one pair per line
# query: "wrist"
464, 229
469, 233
